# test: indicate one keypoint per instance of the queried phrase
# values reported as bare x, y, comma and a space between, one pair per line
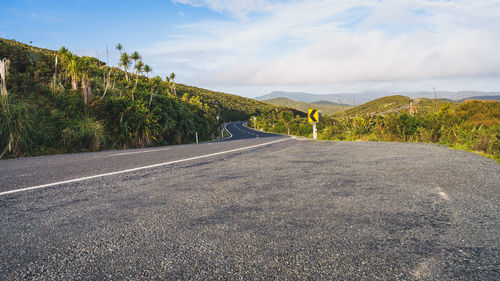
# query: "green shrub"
16, 129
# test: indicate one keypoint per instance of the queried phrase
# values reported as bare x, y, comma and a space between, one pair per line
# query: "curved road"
239, 131
254, 206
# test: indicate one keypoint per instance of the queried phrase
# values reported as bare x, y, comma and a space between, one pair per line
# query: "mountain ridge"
325, 106
495, 98
366, 96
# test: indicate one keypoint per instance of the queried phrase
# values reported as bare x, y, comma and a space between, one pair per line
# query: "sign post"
314, 117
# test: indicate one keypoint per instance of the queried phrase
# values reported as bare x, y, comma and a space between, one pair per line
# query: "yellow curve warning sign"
313, 115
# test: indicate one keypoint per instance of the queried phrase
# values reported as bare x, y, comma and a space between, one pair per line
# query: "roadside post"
255, 123
314, 117
196, 137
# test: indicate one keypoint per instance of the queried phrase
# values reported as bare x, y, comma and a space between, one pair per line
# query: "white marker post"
196, 137
315, 132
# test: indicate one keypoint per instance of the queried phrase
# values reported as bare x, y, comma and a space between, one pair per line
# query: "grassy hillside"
423, 105
57, 102
393, 104
376, 106
232, 107
326, 107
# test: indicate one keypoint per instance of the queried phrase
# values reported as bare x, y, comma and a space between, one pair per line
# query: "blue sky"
252, 47
88, 25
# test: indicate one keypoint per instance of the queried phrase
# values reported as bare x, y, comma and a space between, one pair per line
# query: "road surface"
255, 206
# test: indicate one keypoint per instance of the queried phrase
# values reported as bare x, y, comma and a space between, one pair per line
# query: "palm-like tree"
73, 69
71, 65
125, 63
119, 47
84, 69
147, 69
154, 84
63, 51
138, 70
136, 57
4, 72
171, 83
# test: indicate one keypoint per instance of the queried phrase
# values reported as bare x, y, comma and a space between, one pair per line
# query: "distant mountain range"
363, 97
327, 107
497, 98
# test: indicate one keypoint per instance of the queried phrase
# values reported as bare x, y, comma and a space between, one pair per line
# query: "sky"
253, 47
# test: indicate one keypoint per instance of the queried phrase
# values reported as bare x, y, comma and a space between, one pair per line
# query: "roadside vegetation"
472, 125
57, 102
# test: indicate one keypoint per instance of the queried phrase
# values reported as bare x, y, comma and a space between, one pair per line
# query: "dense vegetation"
472, 125
57, 102
393, 104
327, 108
231, 107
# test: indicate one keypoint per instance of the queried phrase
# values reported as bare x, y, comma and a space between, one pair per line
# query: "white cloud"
322, 42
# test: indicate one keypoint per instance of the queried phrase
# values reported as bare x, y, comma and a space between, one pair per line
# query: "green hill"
57, 102
326, 107
377, 106
394, 104
232, 107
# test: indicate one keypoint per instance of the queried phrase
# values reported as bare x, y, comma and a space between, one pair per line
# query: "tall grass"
87, 133
16, 128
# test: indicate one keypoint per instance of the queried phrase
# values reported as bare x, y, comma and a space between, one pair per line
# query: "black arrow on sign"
312, 115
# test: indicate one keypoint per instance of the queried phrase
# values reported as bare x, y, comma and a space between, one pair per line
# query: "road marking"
136, 152
139, 168
231, 135
442, 194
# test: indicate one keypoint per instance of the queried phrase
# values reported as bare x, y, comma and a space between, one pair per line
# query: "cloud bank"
322, 42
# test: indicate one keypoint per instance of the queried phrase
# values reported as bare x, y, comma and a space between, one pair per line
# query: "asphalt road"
261, 208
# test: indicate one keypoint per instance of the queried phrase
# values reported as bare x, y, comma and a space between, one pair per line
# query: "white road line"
442, 194
231, 135
138, 168
136, 152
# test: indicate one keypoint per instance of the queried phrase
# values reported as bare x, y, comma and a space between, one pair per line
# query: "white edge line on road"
138, 168
231, 135
136, 152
